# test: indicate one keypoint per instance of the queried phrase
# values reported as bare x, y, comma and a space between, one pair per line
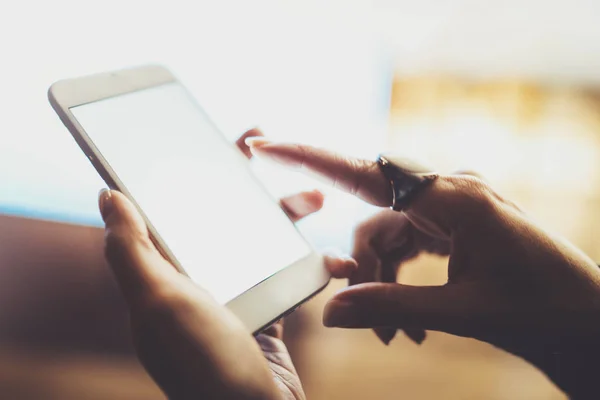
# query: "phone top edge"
73, 92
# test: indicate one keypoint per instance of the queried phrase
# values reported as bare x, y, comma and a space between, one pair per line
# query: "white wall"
312, 70
304, 73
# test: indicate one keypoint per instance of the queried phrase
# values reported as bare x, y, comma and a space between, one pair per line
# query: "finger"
241, 142
134, 259
370, 270
275, 330
358, 177
393, 232
340, 267
369, 264
389, 272
388, 275
439, 308
302, 204
437, 210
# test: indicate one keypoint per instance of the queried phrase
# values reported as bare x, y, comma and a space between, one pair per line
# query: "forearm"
574, 365
575, 369
568, 353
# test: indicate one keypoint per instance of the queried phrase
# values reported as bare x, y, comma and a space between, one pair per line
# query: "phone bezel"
259, 306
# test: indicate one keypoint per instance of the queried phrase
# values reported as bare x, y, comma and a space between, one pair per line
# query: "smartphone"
205, 210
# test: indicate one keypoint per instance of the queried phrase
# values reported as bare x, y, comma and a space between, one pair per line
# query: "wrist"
574, 367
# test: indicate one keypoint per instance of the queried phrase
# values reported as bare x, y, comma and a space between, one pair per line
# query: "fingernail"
339, 314
105, 202
256, 142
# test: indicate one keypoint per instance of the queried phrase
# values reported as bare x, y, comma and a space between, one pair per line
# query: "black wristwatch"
406, 178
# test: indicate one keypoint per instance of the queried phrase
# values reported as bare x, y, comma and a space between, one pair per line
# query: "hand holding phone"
204, 209
170, 311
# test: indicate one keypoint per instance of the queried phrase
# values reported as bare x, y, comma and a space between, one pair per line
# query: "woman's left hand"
192, 346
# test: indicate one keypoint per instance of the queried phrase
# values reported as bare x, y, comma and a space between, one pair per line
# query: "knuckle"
469, 172
479, 193
360, 165
363, 167
303, 152
473, 193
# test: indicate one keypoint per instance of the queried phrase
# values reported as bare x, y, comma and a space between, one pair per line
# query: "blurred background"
507, 88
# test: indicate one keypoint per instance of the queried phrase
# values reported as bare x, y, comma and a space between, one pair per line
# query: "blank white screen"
194, 187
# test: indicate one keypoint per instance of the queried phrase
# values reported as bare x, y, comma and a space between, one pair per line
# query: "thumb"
445, 308
135, 261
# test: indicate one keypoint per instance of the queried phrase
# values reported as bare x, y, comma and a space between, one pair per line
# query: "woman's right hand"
510, 283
